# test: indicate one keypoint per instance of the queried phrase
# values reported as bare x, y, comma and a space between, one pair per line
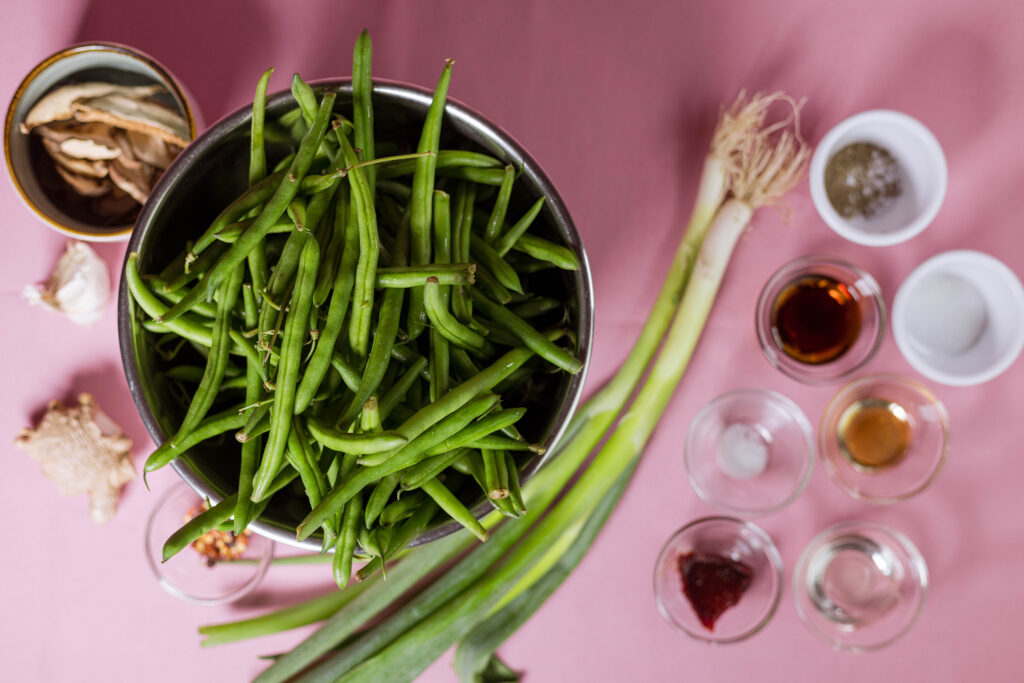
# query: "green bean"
231, 233
401, 509
505, 242
396, 392
422, 196
462, 220
334, 252
490, 284
534, 308
475, 465
285, 161
340, 296
529, 336
255, 421
198, 526
157, 286
464, 365
495, 332
492, 230
439, 351
407, 355
345, 442
383, 339
501, 466
300, 456
413, 477
498, 267
362, 104
305, 98
211, 426
445, 323
288, 368
343, 551
504, 443
297, 212
368, 542
369, 247
430, 434
195, 270
251, 447
455, 509
349, 375
379, 497
394, 188
401, 535
481, 176
417, 449
185, 373
213, 373
271, 212
492, 478
480, 429
446, 158
252, 198
413, 276
257, 153
515, 494
544, 250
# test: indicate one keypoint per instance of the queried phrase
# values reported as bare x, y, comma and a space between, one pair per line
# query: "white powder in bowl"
947, 314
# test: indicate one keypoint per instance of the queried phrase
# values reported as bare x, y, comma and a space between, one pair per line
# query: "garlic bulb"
79, 286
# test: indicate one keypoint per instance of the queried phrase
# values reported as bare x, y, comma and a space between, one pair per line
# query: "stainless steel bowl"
213, 170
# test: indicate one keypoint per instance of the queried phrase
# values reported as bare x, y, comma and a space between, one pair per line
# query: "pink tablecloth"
616, 100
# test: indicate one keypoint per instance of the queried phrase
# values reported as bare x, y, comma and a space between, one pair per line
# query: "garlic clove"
79, 286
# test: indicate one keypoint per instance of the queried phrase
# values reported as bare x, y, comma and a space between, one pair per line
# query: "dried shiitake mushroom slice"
84, 185
85, 167
137, 182
151, 150
143, 116
57, 104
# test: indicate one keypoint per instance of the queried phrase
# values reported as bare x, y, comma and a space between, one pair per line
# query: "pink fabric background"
616, 101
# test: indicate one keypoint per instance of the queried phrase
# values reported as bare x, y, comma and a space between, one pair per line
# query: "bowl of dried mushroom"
89, 132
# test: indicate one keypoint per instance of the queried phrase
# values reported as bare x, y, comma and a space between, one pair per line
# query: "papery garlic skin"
78, 287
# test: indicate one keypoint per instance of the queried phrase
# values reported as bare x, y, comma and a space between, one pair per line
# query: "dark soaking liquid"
816, 319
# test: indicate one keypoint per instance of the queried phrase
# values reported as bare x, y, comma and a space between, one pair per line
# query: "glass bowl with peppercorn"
878, 178
218, 568
819, 319
718, 579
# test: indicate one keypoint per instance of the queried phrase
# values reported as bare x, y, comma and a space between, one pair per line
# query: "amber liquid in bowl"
816, 319
874, 433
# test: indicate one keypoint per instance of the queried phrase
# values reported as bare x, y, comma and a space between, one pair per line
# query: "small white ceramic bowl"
923, 176
80, 63
958, 318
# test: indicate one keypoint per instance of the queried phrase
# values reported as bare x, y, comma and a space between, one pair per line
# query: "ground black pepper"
861, 179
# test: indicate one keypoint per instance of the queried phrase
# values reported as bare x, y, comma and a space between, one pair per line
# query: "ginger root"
83, 451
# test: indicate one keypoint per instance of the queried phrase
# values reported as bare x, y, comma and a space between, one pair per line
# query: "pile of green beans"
363, 325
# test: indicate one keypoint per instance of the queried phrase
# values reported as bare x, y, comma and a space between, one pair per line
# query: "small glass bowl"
922, 458
859, 585
777, 438
188, 575
860, 285
735, 539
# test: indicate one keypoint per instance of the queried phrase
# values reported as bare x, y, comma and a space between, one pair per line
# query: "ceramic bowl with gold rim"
88, 132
